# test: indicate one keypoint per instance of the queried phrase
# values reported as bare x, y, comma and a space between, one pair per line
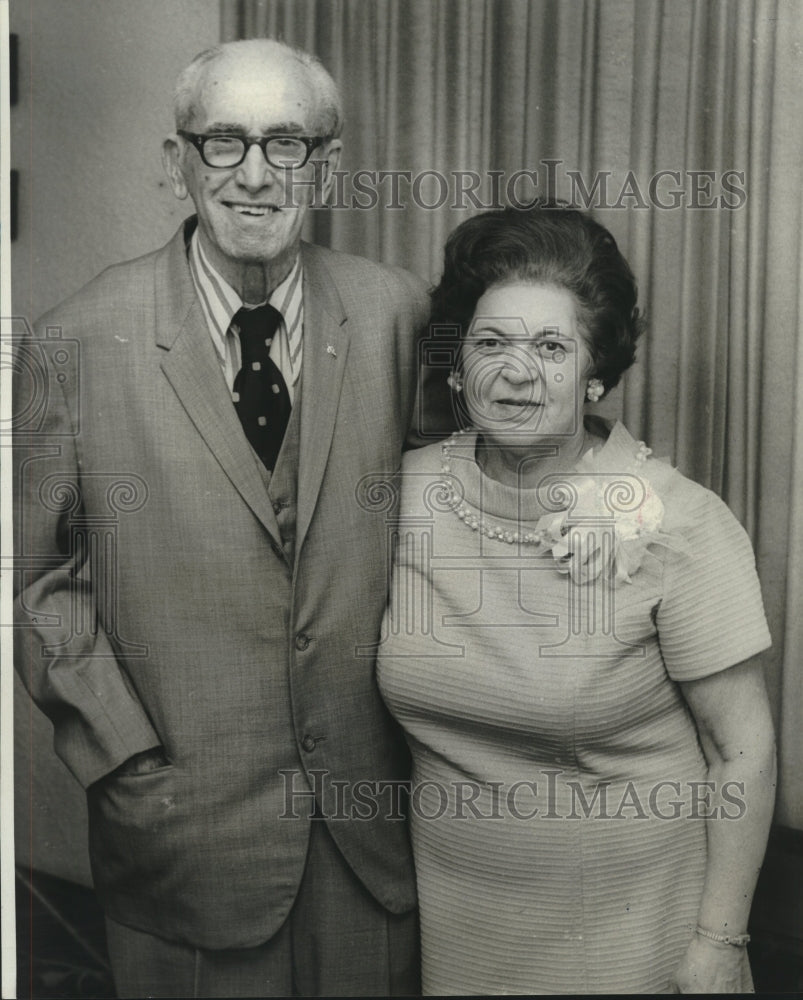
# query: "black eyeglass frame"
197, 139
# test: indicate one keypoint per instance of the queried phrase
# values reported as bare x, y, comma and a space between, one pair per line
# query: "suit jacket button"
308, 743
302, 641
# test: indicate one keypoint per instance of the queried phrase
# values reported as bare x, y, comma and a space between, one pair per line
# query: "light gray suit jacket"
156, 606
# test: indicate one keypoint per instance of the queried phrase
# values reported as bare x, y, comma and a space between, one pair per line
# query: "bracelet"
737, 940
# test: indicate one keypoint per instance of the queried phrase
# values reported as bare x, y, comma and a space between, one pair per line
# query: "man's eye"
488, 343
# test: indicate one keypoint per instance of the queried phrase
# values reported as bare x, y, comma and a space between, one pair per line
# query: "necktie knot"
256, 329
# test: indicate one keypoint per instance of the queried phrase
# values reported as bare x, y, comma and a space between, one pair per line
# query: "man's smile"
252, 209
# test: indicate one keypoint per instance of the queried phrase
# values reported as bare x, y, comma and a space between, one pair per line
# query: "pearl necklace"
467, 516
479, 524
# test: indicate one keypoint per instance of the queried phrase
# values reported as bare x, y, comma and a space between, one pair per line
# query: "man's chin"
230, 245
258, 253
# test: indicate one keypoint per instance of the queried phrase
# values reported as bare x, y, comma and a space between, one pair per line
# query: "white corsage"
602, 518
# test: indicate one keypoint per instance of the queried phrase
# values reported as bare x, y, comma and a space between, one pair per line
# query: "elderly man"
201, 582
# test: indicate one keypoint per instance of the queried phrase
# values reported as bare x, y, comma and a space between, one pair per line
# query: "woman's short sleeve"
711, 615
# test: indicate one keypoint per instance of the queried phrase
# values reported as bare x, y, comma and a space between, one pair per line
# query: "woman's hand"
734, 724
710, 967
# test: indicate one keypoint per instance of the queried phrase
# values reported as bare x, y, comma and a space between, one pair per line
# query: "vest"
282, 483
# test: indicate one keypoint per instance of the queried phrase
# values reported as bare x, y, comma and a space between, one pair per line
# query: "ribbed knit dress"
558, 819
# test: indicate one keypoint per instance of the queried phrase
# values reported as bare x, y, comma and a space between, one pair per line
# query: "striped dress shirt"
219, 303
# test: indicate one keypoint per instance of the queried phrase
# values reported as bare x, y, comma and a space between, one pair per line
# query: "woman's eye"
488, 343
553, 349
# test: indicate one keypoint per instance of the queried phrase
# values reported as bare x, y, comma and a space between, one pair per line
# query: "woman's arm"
734, 724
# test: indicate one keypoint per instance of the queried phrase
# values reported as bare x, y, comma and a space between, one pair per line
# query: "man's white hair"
190, 81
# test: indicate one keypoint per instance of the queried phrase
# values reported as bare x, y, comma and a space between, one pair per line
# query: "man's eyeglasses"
287, 152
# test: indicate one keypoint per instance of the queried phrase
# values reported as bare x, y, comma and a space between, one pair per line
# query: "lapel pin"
331, 350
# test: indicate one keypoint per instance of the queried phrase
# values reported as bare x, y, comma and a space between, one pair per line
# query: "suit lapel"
326, 345
192, 368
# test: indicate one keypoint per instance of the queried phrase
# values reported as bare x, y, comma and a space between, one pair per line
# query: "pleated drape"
613, 92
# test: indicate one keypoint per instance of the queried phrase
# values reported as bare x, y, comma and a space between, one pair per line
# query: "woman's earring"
455, 382
595, 390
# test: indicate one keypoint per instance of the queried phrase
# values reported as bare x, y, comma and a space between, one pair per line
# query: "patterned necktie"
260, 392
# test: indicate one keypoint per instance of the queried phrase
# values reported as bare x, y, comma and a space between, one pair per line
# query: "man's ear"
171, 155
330, 162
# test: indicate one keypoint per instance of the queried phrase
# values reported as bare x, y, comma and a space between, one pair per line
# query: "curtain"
677, 124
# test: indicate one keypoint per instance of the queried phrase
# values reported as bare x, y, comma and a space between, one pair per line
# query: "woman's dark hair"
552, 244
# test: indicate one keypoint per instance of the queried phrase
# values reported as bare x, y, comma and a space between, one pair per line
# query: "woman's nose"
522, 366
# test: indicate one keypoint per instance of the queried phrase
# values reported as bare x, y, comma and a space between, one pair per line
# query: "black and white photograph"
402, 498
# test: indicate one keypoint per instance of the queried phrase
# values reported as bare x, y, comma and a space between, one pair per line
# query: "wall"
96, 77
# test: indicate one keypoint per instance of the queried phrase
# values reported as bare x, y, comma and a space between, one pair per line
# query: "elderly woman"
568, 649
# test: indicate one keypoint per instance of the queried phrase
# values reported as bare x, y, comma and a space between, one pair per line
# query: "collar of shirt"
219, 303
